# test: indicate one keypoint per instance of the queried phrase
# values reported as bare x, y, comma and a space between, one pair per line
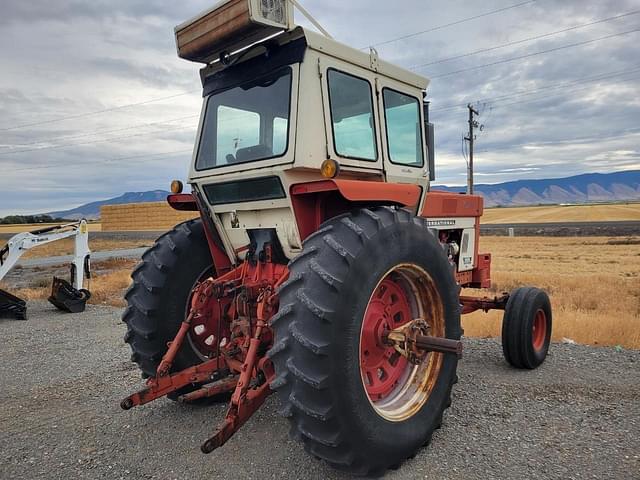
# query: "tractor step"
10, 305
66, 298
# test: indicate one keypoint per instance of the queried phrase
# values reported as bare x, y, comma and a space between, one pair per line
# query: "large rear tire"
354, 277
159, 294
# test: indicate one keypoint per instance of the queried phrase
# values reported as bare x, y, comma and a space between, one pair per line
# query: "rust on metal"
239, 365
471, 304
211, 390
413, 342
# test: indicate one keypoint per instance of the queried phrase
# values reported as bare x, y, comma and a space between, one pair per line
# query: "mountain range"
91, 211
586, 188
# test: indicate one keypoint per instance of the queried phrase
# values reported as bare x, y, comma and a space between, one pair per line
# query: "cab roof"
332, 48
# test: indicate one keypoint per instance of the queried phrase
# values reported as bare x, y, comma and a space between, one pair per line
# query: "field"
65, 247
558, 213
110, 280
594, 284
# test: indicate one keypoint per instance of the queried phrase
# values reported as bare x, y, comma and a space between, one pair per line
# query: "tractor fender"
405, 194
183, 202
316, 202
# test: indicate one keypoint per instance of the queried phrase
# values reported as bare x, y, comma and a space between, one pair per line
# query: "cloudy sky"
94, 101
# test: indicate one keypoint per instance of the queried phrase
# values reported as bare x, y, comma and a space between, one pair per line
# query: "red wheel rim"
381, 365
208, 331
539, 330
396, 388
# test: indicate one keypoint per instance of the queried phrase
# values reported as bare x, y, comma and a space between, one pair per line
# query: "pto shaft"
438, 344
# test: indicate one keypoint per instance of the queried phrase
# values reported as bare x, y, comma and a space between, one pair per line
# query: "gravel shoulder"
62, 378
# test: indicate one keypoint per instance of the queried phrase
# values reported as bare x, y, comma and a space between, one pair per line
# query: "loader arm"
21, 243
70, 297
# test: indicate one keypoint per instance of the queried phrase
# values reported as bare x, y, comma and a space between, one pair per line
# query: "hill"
91, 211
586, 188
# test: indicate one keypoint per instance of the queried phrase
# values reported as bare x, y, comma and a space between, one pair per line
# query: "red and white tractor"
323, 267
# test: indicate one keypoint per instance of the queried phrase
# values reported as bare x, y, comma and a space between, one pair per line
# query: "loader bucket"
10, 305
66, 298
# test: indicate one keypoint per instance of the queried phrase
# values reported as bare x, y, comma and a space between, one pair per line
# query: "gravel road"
62, 377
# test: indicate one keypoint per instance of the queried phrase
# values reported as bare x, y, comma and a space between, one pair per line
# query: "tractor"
322, 265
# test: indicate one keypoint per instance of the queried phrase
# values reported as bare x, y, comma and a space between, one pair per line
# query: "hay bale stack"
141, 216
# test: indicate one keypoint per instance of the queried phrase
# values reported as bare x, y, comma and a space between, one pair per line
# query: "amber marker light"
330, 168
176, 187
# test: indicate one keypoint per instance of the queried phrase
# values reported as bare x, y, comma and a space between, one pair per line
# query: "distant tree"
23, 219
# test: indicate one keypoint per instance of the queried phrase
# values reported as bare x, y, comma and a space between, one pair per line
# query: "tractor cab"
292, 118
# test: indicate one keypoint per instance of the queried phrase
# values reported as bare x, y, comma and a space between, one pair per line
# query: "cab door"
403, 136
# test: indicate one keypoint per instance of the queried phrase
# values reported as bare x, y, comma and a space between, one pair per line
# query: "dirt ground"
62, 377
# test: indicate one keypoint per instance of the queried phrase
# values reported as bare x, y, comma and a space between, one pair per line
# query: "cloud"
553, 114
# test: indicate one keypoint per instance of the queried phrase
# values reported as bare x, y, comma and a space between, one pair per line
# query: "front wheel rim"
397, 389
539, 330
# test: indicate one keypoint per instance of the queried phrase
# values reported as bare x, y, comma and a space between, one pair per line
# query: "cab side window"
404, 131
351, 105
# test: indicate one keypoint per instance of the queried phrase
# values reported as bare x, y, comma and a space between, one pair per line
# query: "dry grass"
111, 279
569, 213
594, 284
65, 247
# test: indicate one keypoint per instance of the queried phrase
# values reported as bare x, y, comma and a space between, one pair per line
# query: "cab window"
404, 131
351, 106
247, 123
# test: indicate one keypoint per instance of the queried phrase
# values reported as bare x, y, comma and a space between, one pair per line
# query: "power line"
538, 99
93, 142
588, 140
102, 132
557, 86
520, 57
524, 40
440, 27
96, 112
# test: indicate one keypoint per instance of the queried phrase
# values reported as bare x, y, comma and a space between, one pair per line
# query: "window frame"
386, 128
373, 117
290, 72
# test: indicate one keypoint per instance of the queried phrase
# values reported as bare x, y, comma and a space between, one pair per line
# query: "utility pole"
473, 124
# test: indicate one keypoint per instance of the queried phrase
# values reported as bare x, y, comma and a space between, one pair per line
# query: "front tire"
526, 328
345, 286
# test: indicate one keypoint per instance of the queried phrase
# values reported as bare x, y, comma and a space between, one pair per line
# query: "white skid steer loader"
68, 296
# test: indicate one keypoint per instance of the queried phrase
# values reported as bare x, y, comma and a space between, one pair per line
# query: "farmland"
615, 212
594, 283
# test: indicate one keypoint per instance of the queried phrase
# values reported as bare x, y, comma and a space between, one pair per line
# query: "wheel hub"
210, 329
397, 388
539, 330
382, 366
